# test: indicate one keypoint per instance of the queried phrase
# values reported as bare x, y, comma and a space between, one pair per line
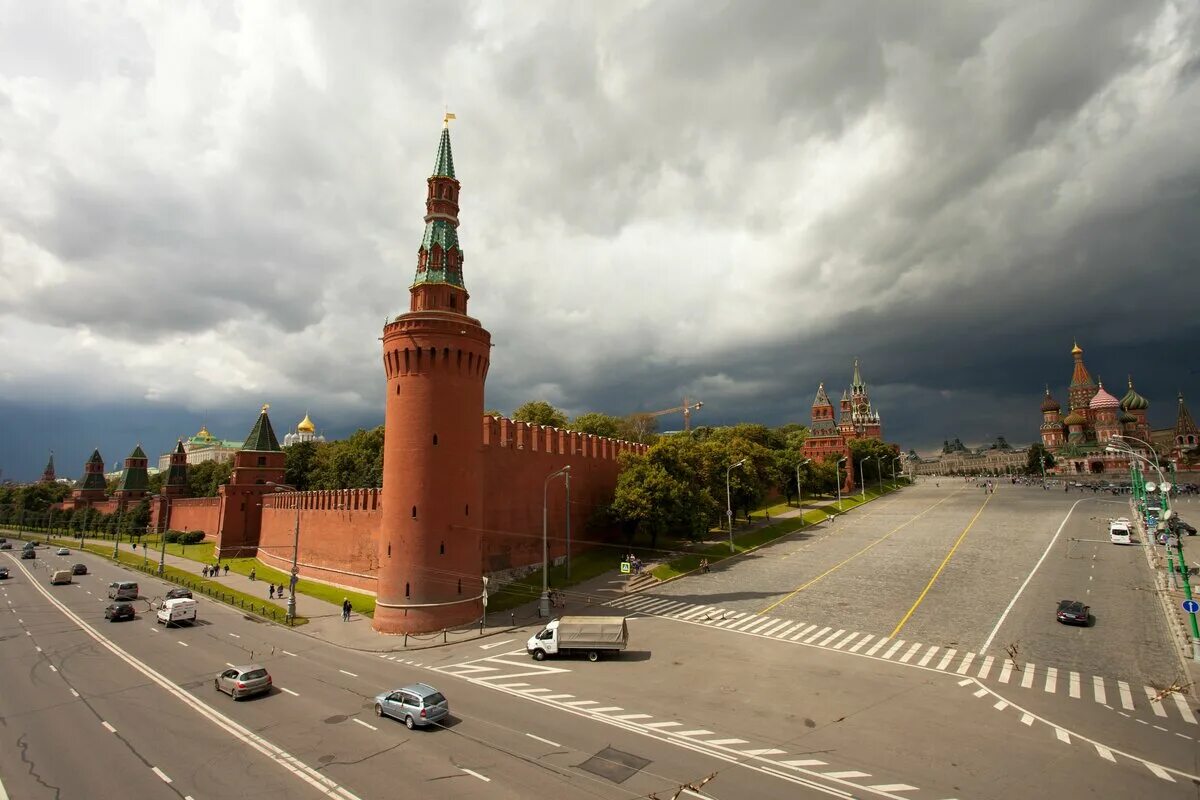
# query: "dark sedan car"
28, 554
1184, 527
178, 591
3, 572
1072, 612
79, 569
118, 611
5, 545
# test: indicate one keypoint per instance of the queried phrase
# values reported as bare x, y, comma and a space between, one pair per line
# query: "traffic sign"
1191, 606
625, 567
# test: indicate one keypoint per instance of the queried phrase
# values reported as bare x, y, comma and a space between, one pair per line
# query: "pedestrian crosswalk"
1049, 680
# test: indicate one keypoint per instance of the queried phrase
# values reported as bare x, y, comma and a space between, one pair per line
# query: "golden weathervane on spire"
265, 407
446, 119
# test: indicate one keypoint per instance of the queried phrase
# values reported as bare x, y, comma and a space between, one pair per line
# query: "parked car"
122, 609
1073, 612
3, 572
416, 705
29, 546
5, 545
62, 551
243, 681
79, 569
177, 592
28, 554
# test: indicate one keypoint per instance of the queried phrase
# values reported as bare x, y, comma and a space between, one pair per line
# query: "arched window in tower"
414, 512
389, 549
407, 589
442, 549
435, 440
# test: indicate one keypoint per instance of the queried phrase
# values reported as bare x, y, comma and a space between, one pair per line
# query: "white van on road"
178, 609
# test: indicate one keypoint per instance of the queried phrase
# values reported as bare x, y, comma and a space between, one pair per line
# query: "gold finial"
1076, 350
446, 119
1131, 381
265, 407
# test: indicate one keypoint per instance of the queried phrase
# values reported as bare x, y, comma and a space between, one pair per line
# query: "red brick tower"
260, 461
135, 480
93, 488
175, 484
48, 475
436, 360
1052, 425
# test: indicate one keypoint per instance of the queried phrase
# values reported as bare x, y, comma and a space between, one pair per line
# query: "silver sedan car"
239, 682
416, 705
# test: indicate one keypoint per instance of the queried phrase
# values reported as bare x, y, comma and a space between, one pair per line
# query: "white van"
1118, 531
178, 609
61, 576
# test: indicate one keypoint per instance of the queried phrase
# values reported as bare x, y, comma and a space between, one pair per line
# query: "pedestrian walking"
204, 570
346, 609
271, 591
768, 513
704, 565
226, 570
253, 575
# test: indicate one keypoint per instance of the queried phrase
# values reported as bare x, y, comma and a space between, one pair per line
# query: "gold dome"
1076, 350
306, 425
203, 433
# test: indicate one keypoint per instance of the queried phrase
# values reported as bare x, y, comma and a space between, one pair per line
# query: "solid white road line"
1073, 686
108, 727
1184, 711
1051, 679
544, 741
1098, 690
1155, 704
1003, 616
475, 774
289, 691
1126, 695
160, 774
861, 642
929, 654
364, 724
1027, 678
351, 674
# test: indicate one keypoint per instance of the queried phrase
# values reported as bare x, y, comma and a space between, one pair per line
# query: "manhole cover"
615, 765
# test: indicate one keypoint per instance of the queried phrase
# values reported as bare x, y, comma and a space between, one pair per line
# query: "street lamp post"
729, 500
567, 478
837, 479
879, 474
862, 482
799, 491
544, 600
295, 576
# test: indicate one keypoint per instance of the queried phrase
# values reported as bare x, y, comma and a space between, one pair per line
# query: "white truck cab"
177, 609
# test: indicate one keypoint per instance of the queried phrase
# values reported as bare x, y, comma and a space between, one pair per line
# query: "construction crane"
687, 409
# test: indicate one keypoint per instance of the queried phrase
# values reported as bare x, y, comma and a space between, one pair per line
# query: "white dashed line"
53, 668
289, 691
364, 724
37, 648
351, 674
1027, 718
475, 774
108, 727
185, 644
74, 693
286, 653
160, 774
234, 635
544, 741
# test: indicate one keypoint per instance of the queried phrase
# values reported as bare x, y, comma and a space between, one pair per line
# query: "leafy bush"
171, 537
190, 537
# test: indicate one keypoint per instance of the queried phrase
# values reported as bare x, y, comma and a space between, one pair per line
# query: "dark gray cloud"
205, 208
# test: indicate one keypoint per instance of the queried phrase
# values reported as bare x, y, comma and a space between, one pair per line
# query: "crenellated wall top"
526, 436
325, 500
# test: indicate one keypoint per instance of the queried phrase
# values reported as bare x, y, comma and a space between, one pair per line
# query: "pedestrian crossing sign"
625, 567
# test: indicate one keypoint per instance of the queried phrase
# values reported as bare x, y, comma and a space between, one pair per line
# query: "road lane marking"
697, 732
108, 727
577, 703
1051, 680
1184, 711
632, 716
1027, 718
160, 774
891, 651
846, 774
904, 659
1027, 678
557, 696
921, 598
1062, 735
545, 741
1105, 753
663, 725
875, 647
966, 664
475, 774
966, 682
893, 787
845, 641
352, 675
1126, 695
788, 631
841, 564
981, 692
732, 618
286, 653
726, 741
1159, 772
774, 630
1073, 686
804, 762
1006, 671
1155, 703
234, 635
1098, 690
289, 691
825, 642
185, 644
605, 709
1000, 705
768, 751
859, 644
1004, 615
364, 724
929, 654
230, 665
74, 693
53, 668
37, 648
803, 632
817, 635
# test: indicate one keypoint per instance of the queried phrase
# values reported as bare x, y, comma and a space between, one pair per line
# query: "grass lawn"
584, 566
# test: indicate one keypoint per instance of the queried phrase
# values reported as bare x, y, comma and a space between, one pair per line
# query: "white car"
62, 551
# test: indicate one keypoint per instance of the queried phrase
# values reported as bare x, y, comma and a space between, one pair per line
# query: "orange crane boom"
687, 409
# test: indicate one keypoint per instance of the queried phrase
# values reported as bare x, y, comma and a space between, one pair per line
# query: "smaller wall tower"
259, 462
135, 480
1052, 425
93, 488
48, 475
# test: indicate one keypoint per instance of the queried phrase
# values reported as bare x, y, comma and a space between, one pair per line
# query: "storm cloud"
204, 207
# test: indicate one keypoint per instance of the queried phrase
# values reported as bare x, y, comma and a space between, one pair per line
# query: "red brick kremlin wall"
195, 514
339, 529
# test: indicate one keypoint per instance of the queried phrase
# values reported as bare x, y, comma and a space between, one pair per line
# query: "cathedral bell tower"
436, 360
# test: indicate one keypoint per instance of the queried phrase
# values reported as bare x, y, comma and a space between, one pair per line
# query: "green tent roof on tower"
262, 435
94, 480
444, 166
135, 479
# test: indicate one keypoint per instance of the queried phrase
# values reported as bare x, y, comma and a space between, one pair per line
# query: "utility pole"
800, 491
729, 501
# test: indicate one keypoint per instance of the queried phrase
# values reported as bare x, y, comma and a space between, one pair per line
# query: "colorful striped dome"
1049, 403
1132, 401
1075, 418
1102, 399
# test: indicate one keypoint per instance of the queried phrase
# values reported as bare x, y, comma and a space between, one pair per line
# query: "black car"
1072, 612
29, 546
5, 545
79, 569
3, 572
1183, 527
178, 591
28, 554
116, 611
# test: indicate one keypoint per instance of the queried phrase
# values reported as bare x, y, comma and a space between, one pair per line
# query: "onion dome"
1049, 403
306, 425
1126, 417
1076, 350
1075, 418
1132, 401
1102, 399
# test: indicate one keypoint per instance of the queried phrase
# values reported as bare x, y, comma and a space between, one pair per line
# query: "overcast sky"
209, 206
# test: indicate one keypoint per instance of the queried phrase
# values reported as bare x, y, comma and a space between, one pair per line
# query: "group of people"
273, 590
214, 571
635, 563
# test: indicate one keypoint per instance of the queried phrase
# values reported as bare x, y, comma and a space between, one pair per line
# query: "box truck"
591, 636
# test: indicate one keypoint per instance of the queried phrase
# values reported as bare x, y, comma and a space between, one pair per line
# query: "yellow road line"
841, 564
941, 566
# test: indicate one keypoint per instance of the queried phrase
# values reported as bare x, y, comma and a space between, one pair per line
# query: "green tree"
355, 462
156, 481
1033, 463
204, 479
598, 424
539, 412
300, 464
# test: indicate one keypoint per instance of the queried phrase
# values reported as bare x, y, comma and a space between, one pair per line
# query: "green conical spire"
858, 381
135, 479
94, 478
444, 166
138, 452
262, 435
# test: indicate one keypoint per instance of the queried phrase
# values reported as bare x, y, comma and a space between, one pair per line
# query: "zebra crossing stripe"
1098, 690
789, 630
875, 647
748, 623
947, 658
735, 616
772, 630
846, 641
1051, 679
966, 664
891, 651
762, 626
859, 644
696, 611
1027, 678
802, 633
929, 654
1155, 704
904, 658
987, 667
1184, 711
1126, 695
832, 636
1006, 670
1073, 686
821, 632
